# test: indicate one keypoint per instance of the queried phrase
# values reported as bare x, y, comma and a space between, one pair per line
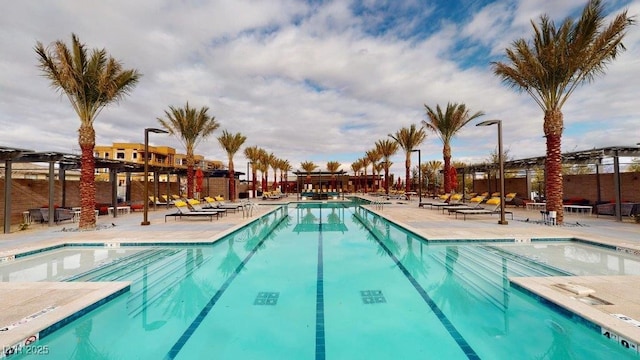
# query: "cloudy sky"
308, 80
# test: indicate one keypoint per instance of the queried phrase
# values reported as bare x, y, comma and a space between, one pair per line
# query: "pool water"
318, 281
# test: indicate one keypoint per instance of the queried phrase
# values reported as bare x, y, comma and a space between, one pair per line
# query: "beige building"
163, 156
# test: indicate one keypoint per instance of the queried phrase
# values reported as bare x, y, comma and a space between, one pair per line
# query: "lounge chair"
195, 205
183, 210
155, 201
454, 200
444, 199
221, 204
474, 203
482, 211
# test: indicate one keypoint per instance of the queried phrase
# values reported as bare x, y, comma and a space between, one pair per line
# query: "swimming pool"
315, 281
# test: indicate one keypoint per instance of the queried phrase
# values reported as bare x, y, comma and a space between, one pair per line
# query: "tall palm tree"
332, 167
373, 156
91, 81
432, 169
190, 126
380, 166
553, 65
252, 153
263, 167
446, 124
231, 143
356, 166
387, 149
408, 139
309, 167
273, 162
365, 164
285, 167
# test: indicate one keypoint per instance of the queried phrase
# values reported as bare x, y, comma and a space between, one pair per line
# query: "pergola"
588, 157
68, 162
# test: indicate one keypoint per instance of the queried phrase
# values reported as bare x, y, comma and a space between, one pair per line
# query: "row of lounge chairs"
453, 204
273, 195
209, 208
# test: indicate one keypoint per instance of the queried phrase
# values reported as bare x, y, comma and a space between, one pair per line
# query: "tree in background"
409, 139
231, 143
190, 126
387, 148
447, 124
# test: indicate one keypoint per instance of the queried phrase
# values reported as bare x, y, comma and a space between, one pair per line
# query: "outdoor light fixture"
419, 176
502, 221
145, 220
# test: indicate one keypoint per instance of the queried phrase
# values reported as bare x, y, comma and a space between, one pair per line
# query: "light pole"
145, 220
419, 176
248, 180
502, 221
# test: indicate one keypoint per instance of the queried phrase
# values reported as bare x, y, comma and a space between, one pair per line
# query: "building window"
120, 155
135, 155
106, 155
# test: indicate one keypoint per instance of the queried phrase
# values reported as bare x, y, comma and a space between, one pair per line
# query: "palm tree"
387, 149
432, 169
356, 166
365, 164
190, 126
273, 162
263, 167
284, 167
309, 167
231, 143
553, 65
373, 156
378, 168
252, 153
332, 167
408, 139
446, 125
91, 82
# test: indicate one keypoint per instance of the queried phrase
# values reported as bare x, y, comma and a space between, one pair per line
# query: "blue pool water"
314, 282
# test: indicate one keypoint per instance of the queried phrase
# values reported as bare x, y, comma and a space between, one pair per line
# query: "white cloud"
306, 82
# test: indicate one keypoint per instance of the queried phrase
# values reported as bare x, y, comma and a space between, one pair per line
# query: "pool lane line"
462, 343
186, 335
320, 340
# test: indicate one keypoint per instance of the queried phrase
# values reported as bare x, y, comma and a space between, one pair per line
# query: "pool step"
113, 270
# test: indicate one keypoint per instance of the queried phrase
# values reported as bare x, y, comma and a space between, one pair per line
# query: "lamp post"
419, 175
145, 220
248, 181
502, 221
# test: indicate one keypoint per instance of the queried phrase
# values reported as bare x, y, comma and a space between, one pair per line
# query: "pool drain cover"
372, 297
267, 298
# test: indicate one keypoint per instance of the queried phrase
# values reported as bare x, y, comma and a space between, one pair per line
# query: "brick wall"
578, 186
28, 194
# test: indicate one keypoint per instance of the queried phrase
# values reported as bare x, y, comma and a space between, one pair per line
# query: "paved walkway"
619, 294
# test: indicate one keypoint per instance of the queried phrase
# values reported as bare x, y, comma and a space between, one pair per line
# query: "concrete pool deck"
610, 294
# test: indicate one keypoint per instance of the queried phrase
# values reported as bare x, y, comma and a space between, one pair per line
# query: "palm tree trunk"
446, 156
253, 183
553, 123
407, 168
232, 182
386, 180
189, 180
87, 142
